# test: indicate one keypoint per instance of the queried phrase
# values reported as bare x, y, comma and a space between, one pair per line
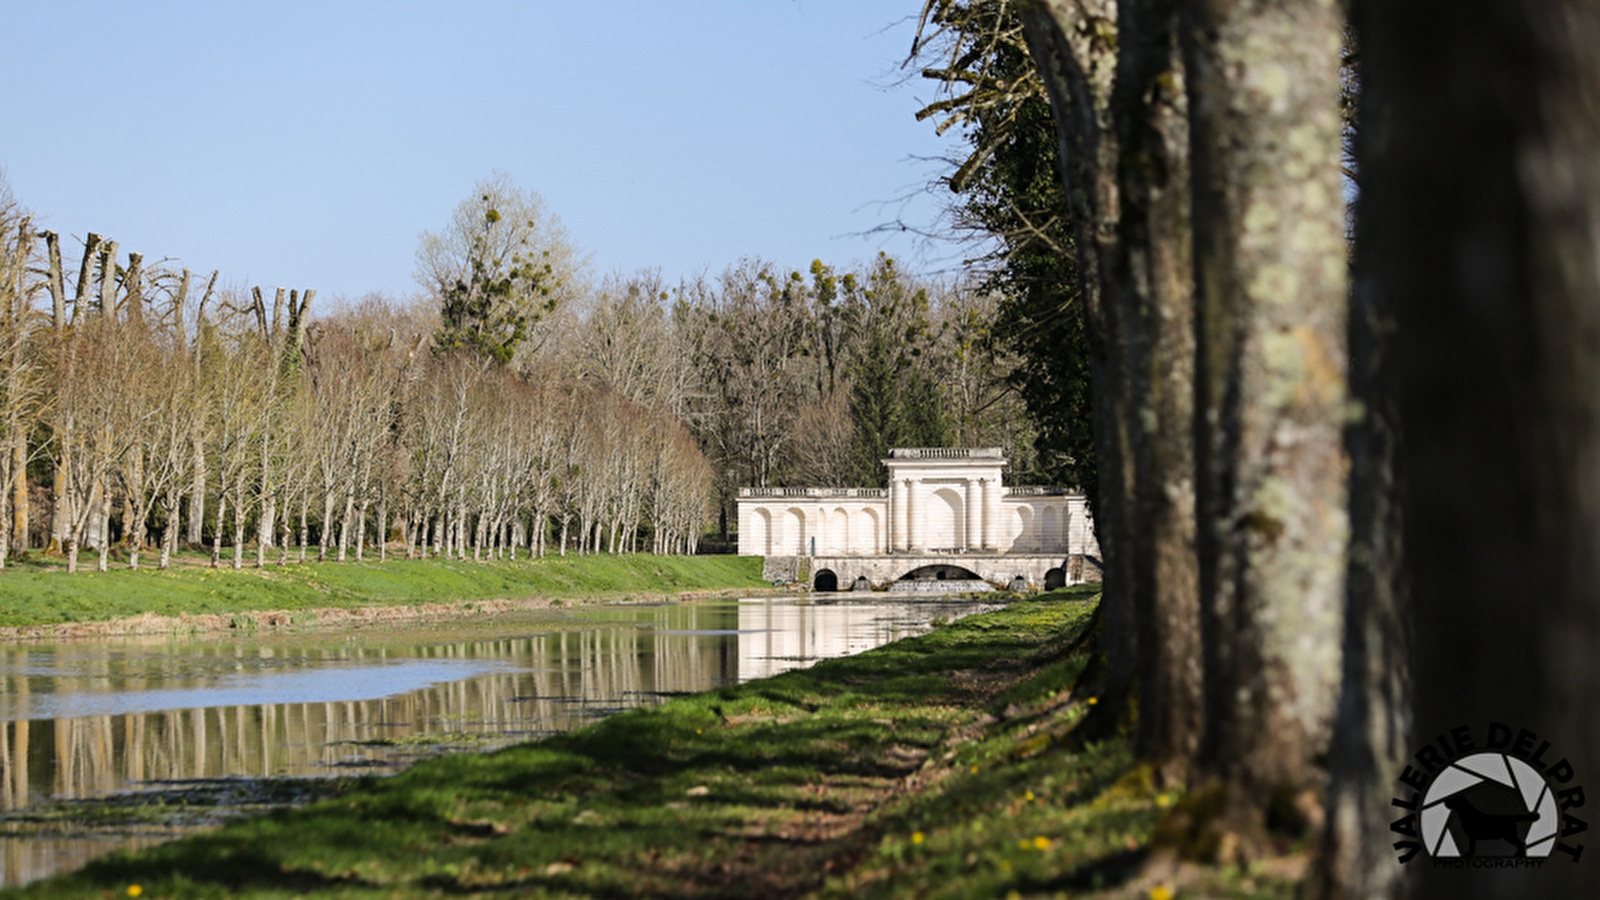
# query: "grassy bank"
940, 766
35, 596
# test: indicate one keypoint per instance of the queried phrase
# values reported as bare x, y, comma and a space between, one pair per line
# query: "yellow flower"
1041, 843
916, 837
1028, 796
1013, 895
134, 890
1163, 800
1161, 892
974, 770
1093, 701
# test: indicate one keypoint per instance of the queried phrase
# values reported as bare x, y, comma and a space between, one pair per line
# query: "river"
128, 742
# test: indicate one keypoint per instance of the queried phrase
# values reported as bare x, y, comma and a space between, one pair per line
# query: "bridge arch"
941, 572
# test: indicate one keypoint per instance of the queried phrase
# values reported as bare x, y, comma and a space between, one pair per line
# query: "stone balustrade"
819, 493
947, 453
1035, 490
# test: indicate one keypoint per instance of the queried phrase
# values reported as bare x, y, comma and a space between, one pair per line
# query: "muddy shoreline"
335, 618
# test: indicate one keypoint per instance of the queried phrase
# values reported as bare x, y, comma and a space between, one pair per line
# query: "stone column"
986, 540
911, 541
969, 531
884, 543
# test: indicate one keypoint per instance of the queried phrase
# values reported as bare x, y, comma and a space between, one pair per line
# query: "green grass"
30, 595
937, 766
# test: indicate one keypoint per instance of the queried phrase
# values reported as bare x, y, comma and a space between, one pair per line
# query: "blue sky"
308, 144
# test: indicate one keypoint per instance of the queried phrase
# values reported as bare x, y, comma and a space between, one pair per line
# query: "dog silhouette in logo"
1476, 825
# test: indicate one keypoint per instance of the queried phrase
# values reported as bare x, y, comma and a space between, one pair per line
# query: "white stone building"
940, 503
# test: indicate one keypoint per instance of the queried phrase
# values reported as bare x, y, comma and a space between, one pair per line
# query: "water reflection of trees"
560, 680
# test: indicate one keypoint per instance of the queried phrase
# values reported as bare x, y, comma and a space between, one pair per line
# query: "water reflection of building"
774, 638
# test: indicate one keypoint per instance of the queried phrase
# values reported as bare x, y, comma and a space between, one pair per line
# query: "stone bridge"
878, 572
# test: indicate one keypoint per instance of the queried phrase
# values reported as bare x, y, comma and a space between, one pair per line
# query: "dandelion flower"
916, 837
1093, 701
134, 890
1041, 843
1028, 796
1161, 892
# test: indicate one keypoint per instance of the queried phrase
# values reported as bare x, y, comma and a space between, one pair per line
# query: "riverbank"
37, 603
937, 766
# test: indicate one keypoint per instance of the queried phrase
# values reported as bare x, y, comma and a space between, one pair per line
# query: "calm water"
111, 718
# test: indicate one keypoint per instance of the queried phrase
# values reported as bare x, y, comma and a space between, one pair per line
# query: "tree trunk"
91, 252
1372, 731
327, 526
1484, 203
104, 517
1270, 310
383, 526
1151, 282
197, 497
239, 515
133, 290
345, 521
217, 529
1073, 44
20, 504
108, 280
169, 534
134, 510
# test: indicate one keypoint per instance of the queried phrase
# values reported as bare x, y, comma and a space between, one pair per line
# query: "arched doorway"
868, 536
944, 521
1049, 529
760, 533
1022, 528
794, 538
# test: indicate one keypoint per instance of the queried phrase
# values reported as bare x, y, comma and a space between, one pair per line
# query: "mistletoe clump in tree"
498, 272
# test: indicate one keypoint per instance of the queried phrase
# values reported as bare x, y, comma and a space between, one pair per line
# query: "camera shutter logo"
1493, 798
1452, 794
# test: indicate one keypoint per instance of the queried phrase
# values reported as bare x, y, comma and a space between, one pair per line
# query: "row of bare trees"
235, 420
